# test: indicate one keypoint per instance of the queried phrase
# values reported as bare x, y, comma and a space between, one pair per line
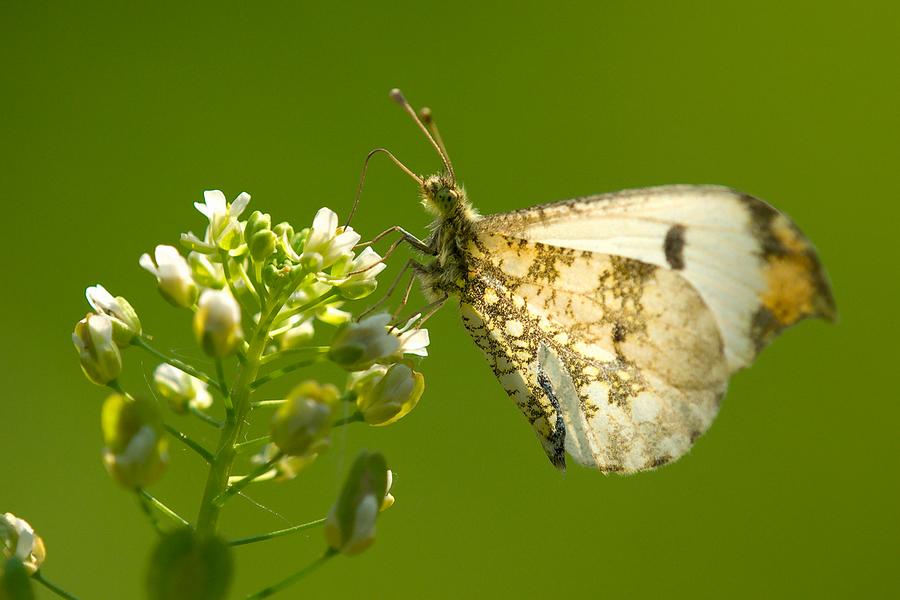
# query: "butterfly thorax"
452, 230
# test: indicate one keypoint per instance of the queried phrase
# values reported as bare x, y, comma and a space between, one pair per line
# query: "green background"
113, 119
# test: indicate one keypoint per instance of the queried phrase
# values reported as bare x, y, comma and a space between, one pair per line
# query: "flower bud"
180, 389
18, 540
350, 525
391, 396
217, 323
173, 275
100, 357
300, 426
125, 321
262, 245
357, 346
258, 221
135, 452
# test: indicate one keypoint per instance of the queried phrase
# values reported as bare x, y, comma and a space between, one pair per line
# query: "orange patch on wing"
790, 288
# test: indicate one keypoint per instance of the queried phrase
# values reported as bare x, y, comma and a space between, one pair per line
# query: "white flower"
224, 230
18, 539
217, 323
173, 275
355, 277
181, 389
125, 321
326, 241
358, 345
413, 341
100, 358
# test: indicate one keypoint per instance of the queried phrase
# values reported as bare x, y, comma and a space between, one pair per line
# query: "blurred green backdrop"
114, 119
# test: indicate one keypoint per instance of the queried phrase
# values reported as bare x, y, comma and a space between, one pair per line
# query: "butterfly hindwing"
615, 321
619, 362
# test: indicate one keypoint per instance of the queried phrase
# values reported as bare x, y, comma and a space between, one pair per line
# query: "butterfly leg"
429, 310
410, 264
407, 237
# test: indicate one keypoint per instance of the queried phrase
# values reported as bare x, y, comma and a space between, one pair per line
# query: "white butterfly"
614, 321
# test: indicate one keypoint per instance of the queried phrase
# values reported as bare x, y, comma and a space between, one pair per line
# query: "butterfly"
615, 321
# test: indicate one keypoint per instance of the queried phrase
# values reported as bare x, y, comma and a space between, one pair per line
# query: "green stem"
158, 505
356, 417
39, 577
205, 417
263, 403
225, 454
223, 385
240, 484
292, 579
187, 441
183, 366
253, 444
151, 516
273, 375
302, 350
274, 534
323, 299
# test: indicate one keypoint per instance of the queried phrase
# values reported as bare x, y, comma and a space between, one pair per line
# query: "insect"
615, 321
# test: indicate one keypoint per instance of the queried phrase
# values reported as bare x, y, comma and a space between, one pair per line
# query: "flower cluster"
264, 296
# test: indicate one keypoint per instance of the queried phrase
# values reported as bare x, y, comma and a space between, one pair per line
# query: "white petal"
326, 221
146, 262
239, 204
216, 203
99, 298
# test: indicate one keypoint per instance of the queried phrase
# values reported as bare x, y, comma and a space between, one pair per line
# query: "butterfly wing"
615, 321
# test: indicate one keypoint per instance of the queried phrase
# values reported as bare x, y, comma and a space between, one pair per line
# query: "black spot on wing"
674, 247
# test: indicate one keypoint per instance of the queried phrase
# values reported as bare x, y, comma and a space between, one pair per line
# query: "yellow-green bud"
217, 323
258, 221
262, 245
300, 426
135, 452
125, 321
357, 346
18, 540
180, 389
100, 357
350, 526
390, 396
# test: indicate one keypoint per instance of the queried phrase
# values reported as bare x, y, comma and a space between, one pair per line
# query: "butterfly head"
441, 195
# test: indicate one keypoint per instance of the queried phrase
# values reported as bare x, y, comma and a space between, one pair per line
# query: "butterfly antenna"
362, 177
427, 118
400, 99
